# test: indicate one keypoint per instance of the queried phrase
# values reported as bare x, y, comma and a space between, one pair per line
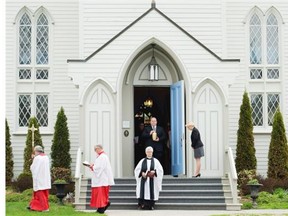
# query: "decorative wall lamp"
153, 67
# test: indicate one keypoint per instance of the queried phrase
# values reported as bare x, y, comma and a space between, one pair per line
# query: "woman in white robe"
149, 175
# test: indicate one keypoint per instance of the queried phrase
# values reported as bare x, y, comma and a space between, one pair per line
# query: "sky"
2, 106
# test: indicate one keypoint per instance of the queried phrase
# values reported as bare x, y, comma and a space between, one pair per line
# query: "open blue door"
177, 127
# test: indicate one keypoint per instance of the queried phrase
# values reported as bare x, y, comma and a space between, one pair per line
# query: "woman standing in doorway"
197, 146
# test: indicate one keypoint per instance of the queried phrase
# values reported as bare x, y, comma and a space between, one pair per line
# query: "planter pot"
60, 189
254, 190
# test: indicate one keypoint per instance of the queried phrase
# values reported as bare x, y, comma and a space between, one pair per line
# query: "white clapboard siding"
236, 35
64, 43
81, 27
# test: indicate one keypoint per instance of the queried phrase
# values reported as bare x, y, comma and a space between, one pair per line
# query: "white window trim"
33, 83
265, 129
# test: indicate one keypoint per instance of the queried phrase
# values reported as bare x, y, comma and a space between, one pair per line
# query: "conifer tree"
61, 144
29, 149
278, 149
245, 151
9, 156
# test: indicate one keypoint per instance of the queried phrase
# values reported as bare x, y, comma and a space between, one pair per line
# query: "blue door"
177, 127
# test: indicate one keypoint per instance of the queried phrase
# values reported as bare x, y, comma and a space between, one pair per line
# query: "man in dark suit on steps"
155, 137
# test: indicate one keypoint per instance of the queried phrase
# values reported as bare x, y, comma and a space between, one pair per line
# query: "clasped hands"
148, 174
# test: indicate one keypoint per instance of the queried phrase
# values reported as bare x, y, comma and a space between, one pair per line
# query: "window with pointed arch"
264, 68
33, 69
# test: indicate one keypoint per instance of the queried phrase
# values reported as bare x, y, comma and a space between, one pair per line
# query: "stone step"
177, 193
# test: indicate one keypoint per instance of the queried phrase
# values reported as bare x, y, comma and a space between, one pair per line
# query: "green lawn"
19, 209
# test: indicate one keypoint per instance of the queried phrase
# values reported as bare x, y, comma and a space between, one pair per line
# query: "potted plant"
60, 178
254, 187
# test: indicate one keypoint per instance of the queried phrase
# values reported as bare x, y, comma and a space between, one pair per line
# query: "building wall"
81, 27
64, 44
238, 46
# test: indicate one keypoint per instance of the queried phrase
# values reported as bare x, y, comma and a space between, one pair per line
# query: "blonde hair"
190, 124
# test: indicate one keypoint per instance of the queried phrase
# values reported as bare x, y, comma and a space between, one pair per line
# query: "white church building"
113, 64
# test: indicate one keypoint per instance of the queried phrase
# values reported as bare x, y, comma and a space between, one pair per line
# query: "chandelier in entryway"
148, 102
153, 67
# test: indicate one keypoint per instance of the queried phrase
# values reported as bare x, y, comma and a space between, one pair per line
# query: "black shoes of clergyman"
197, 175
102, 210
107, 206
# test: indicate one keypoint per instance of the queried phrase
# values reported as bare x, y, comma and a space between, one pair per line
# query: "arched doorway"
136, 86
148, 102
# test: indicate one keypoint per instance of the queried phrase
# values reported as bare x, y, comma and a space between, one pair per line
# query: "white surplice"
40, 169
157, 179
102, 171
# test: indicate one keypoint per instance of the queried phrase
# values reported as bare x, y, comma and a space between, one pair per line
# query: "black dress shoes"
197, 175
107, 206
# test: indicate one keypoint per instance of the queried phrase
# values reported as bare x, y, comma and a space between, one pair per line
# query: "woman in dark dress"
197, 146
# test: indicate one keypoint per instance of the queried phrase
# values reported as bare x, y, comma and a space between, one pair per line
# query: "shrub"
60, 173
24, 181
245, 151
264, 197
247, 205
53, 199
28, 192
278, 149
270, 184
14, 197
244, 177
9, 156
28, 149
61, 144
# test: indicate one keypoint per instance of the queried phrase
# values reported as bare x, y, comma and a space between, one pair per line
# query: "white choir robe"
40, 169
102, 174
157, 180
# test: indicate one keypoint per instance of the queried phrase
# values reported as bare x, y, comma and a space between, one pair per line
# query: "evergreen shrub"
278, 149
60, 150
245, 150
9, 155
23, 182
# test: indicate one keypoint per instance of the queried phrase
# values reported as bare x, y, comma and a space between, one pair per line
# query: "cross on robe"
33, 129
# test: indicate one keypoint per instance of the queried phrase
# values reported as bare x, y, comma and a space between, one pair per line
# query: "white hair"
98, 146
149, 148
38, 148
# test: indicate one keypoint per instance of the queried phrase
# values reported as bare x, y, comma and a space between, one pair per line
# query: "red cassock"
40, 200
99, 196
40, 169
102, 179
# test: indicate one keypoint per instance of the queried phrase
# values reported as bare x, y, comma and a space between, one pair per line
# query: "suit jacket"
156, 145
196, 139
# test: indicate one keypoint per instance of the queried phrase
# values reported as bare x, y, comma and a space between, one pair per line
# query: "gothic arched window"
264, 68
33, 69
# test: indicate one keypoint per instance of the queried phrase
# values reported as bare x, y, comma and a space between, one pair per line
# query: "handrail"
232, 175
78, 176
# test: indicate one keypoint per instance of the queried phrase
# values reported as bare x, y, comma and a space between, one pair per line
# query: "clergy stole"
143, 180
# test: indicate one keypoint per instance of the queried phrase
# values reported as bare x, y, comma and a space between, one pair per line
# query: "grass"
19, 209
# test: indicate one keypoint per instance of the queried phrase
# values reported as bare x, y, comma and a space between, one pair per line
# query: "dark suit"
158, 146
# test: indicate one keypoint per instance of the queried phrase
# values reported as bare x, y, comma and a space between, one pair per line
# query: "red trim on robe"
99, 196
40, 200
